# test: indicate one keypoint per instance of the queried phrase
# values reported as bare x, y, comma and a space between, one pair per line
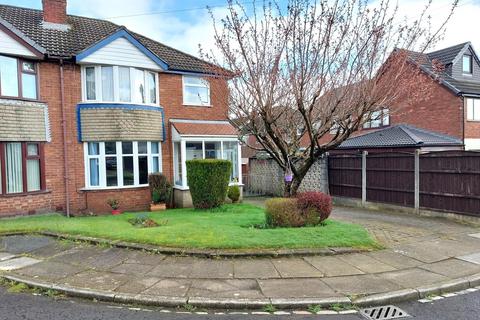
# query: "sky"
184, 24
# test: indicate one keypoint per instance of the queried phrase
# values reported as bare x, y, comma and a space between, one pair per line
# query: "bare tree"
310, 73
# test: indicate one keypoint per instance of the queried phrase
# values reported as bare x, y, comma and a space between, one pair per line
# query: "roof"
402, 135
447, 57
204, 128
85, 32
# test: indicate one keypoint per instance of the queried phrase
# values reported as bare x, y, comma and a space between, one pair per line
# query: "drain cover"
383, 313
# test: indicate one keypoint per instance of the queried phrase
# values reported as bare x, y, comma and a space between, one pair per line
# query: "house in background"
88, 109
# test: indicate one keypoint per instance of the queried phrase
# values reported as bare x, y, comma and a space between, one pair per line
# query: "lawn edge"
204, 253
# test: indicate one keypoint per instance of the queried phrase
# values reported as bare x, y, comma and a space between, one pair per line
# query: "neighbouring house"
88, 109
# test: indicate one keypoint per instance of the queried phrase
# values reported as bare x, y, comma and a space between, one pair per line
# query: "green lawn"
227, 227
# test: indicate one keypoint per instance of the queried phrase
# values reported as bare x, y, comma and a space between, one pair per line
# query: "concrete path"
422, 256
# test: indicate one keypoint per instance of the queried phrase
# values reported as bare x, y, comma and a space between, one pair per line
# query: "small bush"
208, 182
283, 212
160, 188
113, 203
314, 206
234, 193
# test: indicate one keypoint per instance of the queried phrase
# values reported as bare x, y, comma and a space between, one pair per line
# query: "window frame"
20, 71
116, 85
119, 157
25, 157
384, 114
475, 106
207, 86
470, 61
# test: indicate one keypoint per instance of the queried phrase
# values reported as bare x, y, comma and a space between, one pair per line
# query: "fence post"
364, 177
417, 180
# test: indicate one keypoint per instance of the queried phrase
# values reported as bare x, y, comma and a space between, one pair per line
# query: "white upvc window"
380, 118
196, 91
205, 148
117, 164
467, 65
473, 109
119, 84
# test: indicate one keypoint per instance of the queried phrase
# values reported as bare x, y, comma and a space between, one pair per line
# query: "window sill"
474, 121
121, 103
24, 194
197, 105
113, 188
22, 99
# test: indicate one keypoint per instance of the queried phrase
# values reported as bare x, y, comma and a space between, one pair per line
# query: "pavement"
422, 256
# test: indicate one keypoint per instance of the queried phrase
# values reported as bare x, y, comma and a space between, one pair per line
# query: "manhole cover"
383, 313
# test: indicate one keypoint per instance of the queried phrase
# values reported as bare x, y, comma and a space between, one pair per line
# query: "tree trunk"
291, 188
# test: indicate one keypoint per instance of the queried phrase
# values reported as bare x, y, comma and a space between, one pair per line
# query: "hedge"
208, 181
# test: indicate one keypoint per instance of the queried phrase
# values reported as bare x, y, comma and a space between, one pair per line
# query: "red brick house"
88, 109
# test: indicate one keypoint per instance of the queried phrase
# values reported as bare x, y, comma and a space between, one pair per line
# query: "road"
26, 306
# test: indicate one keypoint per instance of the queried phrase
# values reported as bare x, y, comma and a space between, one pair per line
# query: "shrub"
283, 212
160, 188
314, 206
113, 203
234, 193
208, 182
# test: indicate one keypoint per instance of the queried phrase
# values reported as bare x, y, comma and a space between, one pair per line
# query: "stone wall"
265, 177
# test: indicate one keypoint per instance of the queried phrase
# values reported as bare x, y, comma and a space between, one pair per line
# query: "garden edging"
205, 253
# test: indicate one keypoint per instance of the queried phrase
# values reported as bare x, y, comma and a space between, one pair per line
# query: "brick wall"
82, 201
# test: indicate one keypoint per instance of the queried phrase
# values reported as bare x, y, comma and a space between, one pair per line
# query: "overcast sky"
184, 24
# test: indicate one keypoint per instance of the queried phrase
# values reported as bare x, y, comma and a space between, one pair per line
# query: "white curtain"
33, 175
124, 84
107, 84
14, 167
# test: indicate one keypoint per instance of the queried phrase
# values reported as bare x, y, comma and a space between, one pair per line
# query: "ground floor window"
113, 164
21, 167
185, 150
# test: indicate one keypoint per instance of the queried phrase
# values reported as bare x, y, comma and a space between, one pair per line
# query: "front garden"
232, 226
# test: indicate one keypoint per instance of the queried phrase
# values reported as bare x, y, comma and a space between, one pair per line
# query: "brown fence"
447, 181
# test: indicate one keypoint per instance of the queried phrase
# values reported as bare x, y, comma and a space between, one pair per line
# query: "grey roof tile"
85, 32
402, 135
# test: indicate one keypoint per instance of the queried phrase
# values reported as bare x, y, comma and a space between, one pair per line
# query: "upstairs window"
473, 109
120, 84
380, 118
467, 64
196, 91
18, 78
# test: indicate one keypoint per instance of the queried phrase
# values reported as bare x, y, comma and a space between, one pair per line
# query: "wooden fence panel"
390, 178
450, 181
345, 175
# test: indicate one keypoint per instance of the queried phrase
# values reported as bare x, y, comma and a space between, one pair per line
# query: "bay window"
204, 148
18, 78
119, 84
21, 167
114, 164
196, 91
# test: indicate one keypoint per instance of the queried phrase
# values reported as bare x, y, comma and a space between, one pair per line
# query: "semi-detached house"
88, 109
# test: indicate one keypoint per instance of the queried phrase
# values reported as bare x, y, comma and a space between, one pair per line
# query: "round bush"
234, 193
315, 206
283, 212
208, 181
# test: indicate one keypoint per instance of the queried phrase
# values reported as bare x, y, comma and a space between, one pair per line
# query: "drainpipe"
64, 128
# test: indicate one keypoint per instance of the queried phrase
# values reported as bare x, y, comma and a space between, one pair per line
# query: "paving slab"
365, 263
132, 268
51, 270
254, 269
229, 288
52, 249
137, 285
144, 258
296, 268
173, 267
212, 269
473, 258
361, 284
99, 280
453, 268
425, 252
333, 266
169, 287
17, 263
24, 243
412, 278
475, 235
296, 288
394, 259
